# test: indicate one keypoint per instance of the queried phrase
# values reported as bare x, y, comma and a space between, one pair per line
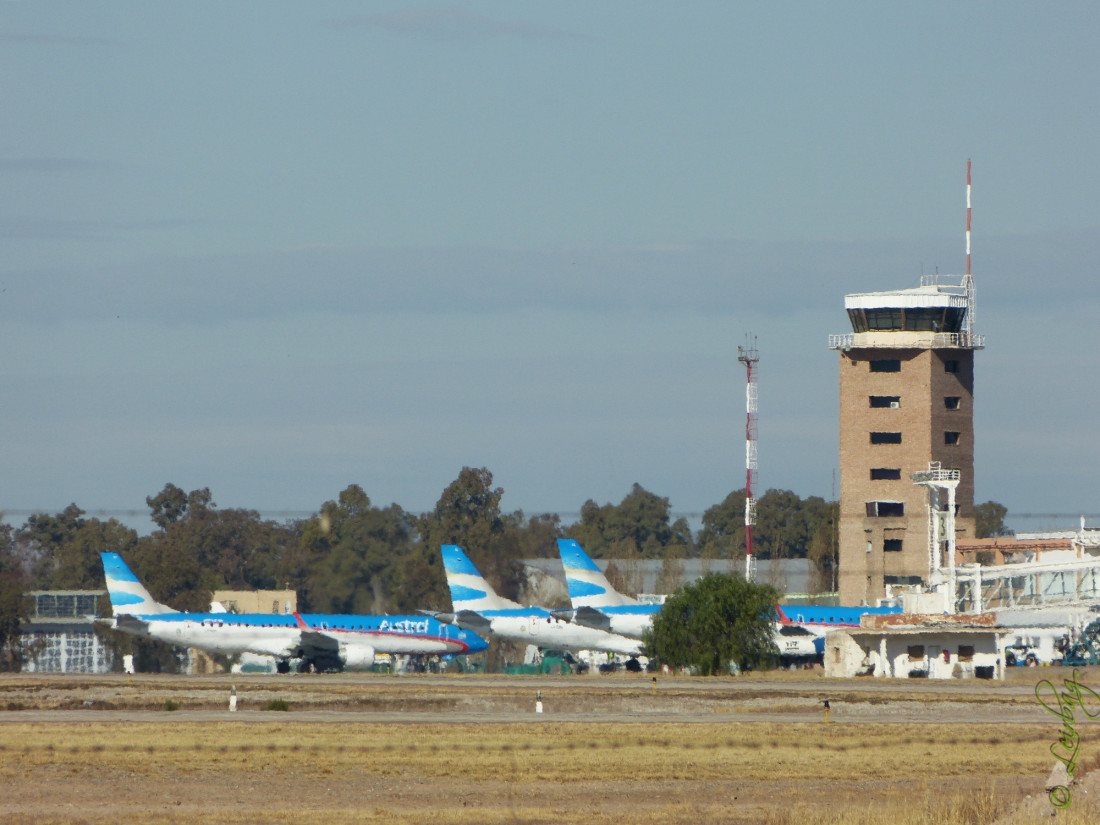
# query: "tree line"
352, 556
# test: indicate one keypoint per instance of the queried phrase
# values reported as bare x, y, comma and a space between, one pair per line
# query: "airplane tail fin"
128, 597
588, 586
469, 590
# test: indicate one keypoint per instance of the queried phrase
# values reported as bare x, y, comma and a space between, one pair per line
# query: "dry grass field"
362, 749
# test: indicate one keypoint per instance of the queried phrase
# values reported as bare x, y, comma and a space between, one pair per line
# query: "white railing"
893, 339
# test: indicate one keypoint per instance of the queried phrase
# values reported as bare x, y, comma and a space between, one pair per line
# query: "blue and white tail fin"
588, 586
128, 597
469, 590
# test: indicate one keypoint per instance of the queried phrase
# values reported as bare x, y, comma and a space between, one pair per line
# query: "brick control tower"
906, 399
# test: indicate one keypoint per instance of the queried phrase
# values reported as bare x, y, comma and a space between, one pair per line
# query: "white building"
917, 646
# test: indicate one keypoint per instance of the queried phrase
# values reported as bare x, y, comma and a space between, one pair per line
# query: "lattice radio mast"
749, 356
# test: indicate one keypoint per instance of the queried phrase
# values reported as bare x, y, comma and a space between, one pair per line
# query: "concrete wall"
843, 657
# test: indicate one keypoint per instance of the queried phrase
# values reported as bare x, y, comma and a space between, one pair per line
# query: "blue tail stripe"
579, 589
123, 599
464, 594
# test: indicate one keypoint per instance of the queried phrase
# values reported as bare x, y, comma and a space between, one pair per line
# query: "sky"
277, 248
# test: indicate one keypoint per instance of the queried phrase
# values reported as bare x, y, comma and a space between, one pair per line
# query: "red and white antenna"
968, 218
749, 356
968, 281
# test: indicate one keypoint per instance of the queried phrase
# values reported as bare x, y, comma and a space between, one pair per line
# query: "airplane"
321, 641
799, 630
477, 607
819, 620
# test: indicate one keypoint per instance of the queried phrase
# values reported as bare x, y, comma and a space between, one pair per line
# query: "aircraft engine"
361, 656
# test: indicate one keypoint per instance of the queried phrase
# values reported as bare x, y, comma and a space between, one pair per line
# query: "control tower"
906, 399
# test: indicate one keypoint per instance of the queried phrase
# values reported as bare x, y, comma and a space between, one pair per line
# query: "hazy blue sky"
275, 248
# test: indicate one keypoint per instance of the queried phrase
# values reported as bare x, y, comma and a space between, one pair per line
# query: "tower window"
950, 437
886, 401
951, 366
951, 402
887, 365
885, 474
891, 545
902, 580
886, 438
885, 509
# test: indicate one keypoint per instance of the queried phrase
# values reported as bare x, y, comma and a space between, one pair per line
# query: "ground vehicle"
1086, 650
1036, 647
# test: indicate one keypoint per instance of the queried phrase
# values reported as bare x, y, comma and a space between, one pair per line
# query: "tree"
467, 514
63, 549
641, 517
672, 572
823, 551
723, 533
626, 576
167, 506
785, 526
715, 622
353, 553
13, 606
989, 520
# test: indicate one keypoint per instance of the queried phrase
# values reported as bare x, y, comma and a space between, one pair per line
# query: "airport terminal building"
60, 636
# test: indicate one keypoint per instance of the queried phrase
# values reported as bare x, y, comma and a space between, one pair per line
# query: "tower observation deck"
932, 316
906, 399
